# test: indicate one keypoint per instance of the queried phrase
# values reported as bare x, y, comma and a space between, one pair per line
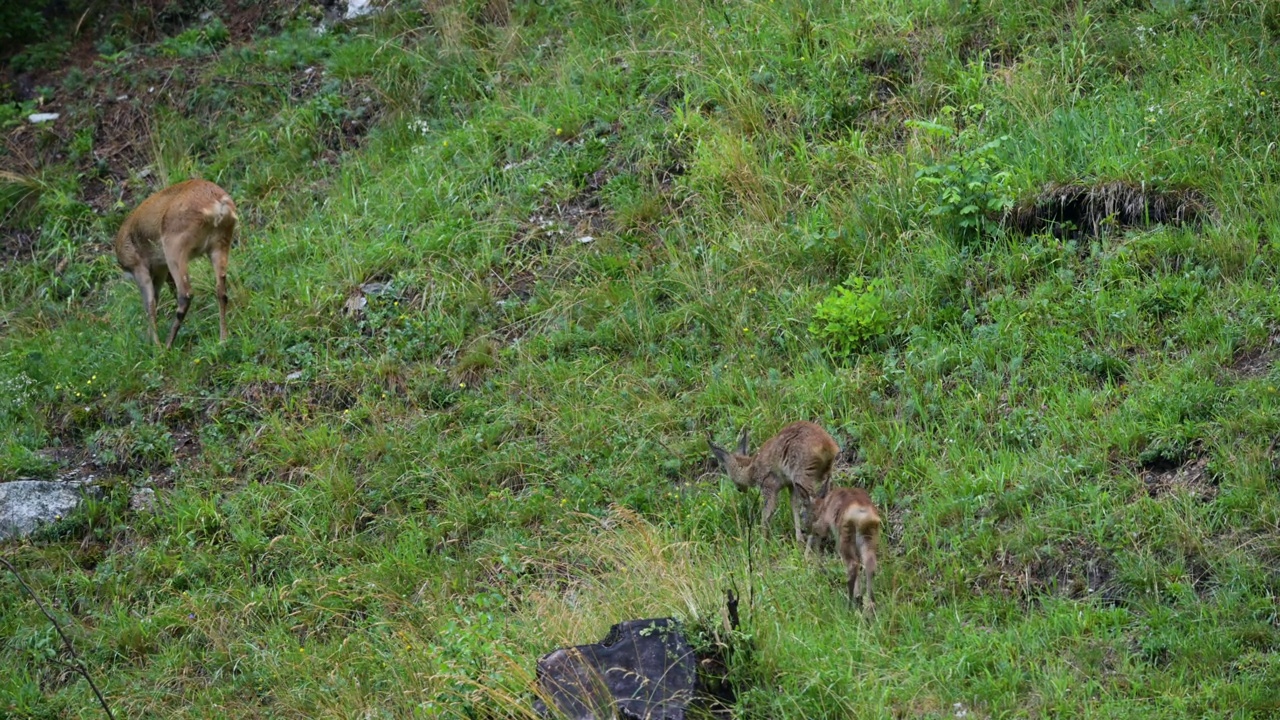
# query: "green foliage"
27, 22
970, 188
40, 56
196, 41
15, 113
139, 446
851, 317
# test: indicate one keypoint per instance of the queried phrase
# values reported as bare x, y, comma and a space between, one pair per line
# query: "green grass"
393, 512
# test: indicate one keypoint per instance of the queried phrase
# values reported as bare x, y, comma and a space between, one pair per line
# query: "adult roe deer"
799, 457
159, 238
849, 518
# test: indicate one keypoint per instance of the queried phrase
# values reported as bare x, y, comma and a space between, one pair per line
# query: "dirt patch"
110, 113
979, 45
518, 285
75, 463
1192, 477
1073, 210
1256, 362
890, 70
1074, 568
17, 245
579, 220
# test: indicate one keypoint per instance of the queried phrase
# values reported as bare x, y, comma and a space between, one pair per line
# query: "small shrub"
195, 42
850, 317
40, 56
1171, 296
140, 445
970, 190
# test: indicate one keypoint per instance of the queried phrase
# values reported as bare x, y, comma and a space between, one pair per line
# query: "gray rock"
142, 500
642, 669
26, 504
359, 8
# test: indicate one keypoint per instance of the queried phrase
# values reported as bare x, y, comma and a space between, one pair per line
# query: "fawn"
158, 239
849, 518
798, 457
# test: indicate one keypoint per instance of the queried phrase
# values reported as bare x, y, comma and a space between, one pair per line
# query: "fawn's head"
811, 512
737, 464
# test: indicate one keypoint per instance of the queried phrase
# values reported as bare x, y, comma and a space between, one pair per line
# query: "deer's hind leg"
867, 553
852, 563
218, 256
770, 504
176, 258
147, 288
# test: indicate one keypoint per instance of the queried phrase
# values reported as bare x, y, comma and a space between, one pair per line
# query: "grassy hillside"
503, 263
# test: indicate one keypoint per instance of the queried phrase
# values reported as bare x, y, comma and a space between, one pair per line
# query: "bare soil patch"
17, 245
1075, 568
1192, 477
1256, 362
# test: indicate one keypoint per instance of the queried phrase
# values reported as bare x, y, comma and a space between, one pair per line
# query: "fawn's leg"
219, 259
182, 285
849, 553
142, 277
770, 504
867, 552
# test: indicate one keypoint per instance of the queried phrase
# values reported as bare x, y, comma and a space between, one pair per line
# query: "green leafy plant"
139, 445
969, 189
196, 41
851, 316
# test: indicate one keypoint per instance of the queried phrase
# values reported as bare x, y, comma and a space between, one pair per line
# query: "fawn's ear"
826, 488
721, 454
742, 441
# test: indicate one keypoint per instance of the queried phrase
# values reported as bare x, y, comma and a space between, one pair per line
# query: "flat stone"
142, 500
359, 8
643, 669
26, 504
375, 288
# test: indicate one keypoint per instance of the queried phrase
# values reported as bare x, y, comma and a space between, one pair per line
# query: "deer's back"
186, 206
801, 453
844, 506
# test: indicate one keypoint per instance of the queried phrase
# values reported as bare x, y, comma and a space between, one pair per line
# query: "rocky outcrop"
27, 504
642, 669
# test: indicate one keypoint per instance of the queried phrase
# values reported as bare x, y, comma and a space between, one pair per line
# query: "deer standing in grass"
848, 517
159, 238
799, 457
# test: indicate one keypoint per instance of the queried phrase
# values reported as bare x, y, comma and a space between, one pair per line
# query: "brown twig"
78, 666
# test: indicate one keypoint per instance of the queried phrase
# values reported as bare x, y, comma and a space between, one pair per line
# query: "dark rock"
643, 669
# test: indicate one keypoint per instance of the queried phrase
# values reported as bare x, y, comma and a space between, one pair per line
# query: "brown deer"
158, 239
848, 517
799, 457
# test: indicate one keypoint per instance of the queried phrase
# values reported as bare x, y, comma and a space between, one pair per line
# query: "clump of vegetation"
138, 446
851, 317
196, 41
971, 189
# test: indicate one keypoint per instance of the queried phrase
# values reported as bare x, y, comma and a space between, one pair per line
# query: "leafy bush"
195, 42
40, 56
851, 316
970, 190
